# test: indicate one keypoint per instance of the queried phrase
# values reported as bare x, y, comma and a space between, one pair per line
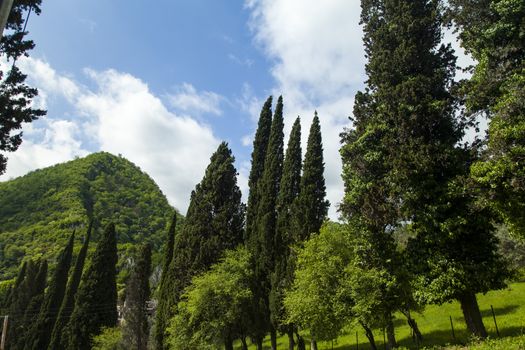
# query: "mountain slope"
38, 211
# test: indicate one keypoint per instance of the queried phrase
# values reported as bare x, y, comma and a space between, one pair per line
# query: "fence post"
494, 317
452, 327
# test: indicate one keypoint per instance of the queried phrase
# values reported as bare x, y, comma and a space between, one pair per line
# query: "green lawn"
434, 323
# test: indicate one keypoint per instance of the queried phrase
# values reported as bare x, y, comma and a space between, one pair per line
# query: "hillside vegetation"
39, 211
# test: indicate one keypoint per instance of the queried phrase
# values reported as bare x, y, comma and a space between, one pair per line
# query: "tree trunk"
244, 344
228, 343
390, 334
417, 336
273, 338
291, 342
313, 344
259, 342
470, 308
300, 342
369, 336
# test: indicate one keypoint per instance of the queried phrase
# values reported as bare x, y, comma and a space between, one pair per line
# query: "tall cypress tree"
136, 326
68, 302
260, 145
214, 223
264, 248
165, 287
96, 300
282, 276
40, 334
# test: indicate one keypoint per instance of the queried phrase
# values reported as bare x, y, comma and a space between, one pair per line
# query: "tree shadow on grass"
498, 311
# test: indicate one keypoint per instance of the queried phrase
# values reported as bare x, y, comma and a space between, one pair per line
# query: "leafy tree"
213, 224
282, 276
96, 300
165, 288
491, 31
263, 241
136, 327
213, 309
40, 334
16, 97
260, 145
56, 341
108, 339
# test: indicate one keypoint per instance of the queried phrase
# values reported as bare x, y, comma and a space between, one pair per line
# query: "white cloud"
120, 115
188, 99
319, 65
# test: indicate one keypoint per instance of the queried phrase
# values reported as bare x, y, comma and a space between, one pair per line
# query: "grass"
434, 323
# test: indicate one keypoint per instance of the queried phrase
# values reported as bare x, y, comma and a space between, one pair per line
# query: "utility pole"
5, 9
4, 333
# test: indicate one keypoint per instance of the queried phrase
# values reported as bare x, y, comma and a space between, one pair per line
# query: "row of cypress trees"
286, 203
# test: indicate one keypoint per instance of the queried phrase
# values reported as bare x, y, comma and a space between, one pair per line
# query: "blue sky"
164, 85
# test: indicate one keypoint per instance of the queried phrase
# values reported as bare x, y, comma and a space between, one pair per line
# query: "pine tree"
33, 288
263, 250
260, 145
68, 302
136, 327
214, 223
402, 164
282, 276
40, 334
166, 288
16, 97
311, 207
96, 300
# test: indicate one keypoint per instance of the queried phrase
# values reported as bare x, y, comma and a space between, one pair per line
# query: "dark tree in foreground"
165, 302
68, 302
282, 276
136, 327
97, 291
262, 243
16, 97
40, 334
214, 223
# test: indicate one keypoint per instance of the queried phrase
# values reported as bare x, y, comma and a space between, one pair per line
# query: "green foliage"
40, 334
213, 224
96, 300
108, 339
39, 210
213, 309
318, 301
66, 309
135, 331
16, 98
260, 145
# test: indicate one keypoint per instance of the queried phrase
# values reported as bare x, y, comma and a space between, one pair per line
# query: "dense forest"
95, 258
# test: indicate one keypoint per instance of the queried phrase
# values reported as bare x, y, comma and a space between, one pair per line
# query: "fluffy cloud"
119, 115
319, 65
187, 99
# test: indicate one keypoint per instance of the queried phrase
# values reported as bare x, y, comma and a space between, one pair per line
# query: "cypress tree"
282, 276
214, 223
56, 341
136, 328
165, 287
96, 300
260, 145
40, 334
264, 248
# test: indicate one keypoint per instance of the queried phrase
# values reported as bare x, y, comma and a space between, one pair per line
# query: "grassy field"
434, 323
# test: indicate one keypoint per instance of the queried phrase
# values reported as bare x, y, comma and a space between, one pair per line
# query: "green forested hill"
40, 210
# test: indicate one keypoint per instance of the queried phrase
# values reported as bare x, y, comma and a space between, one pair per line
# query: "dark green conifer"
96, 300
68, 302
214, 223
136, 327
263, 250
166, 287
311, 207
40, 334
282, 276
260, 145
